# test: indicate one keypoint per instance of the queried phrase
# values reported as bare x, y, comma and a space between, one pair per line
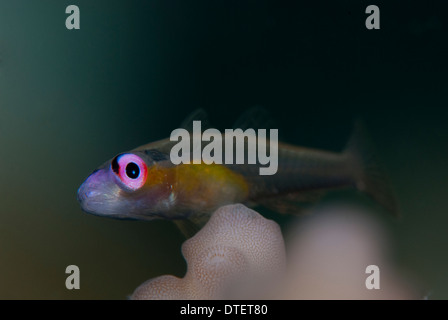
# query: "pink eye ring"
131, 170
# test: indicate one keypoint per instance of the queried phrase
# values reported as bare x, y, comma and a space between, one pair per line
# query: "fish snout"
84, 194
94, 194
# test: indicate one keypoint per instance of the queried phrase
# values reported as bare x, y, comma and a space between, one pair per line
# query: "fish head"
130, 186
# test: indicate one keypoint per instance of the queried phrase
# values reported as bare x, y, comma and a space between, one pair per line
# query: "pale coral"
236, 246
240, 255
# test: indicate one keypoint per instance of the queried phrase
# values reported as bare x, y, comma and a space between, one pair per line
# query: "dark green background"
69, 100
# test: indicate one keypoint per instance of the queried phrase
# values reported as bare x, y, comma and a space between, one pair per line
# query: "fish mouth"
95, 195
82, 193
86, 198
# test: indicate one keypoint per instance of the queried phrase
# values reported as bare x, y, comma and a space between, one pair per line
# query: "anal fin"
292, 203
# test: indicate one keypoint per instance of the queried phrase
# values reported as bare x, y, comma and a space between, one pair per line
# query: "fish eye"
131, 170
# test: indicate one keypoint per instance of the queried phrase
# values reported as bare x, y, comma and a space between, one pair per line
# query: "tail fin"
371, 179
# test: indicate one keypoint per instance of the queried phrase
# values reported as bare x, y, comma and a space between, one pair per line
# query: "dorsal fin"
196, 115
256, 117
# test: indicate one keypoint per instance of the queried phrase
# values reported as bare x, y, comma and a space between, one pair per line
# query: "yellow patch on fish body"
205, 187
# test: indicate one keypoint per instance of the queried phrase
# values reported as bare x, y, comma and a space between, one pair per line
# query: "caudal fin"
371, 179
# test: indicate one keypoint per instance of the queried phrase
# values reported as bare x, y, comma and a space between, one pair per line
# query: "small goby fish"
143, 183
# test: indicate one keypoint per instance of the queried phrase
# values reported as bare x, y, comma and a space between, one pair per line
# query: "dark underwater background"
71, 99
